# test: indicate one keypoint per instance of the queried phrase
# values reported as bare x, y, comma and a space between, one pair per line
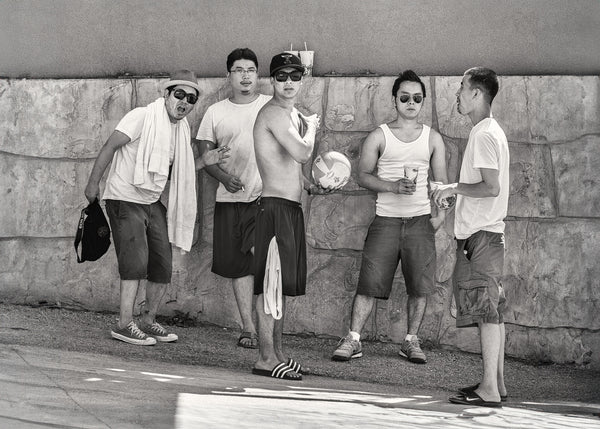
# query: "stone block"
563, 107
327, 305
310, 98
560, 345
38, 269
577, 176
338, 221
551, 273
66, 118
450, 122
363, 103
41, 197
347, 143
531, 181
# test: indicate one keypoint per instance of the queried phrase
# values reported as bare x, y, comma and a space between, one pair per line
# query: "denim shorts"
390, 240
141, 240
477, 290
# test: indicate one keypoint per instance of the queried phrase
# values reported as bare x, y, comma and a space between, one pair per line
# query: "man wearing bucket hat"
280, 249
150, 145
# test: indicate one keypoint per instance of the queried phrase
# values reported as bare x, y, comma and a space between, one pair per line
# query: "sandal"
253, 344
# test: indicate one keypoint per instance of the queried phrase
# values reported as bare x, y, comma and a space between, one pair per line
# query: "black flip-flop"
470, 389
282, 371
248, 336
296, 367
474, 399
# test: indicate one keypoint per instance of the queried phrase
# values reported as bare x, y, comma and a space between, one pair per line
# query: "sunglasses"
283, 76
180, 94
416, 98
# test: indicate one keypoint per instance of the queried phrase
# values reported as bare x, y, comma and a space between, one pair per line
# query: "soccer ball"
331, 169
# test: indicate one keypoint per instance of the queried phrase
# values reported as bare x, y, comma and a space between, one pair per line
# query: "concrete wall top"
96, 38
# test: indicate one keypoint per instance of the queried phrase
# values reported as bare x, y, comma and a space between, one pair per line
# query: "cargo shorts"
476, 280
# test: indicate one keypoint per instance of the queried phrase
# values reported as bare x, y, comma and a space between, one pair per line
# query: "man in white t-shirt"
148, 145
481, 206
229, 124
396, 161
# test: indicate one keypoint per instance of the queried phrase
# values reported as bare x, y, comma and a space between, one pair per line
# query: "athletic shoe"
412, 351
157, 331
347, 349
133, 335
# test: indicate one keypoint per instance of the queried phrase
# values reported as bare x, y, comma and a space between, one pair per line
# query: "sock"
355, 335
410, 337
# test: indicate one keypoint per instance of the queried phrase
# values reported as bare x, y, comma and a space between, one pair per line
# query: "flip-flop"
281, 371
470, 389
248, 336
296, 367
474, 399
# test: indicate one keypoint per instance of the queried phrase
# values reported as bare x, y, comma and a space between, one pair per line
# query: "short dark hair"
407, 76
484, 79
241, 54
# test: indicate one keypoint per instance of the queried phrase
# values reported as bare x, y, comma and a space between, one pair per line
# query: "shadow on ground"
202, 344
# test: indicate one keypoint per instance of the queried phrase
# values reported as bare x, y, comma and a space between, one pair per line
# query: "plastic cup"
411, 172
307, 58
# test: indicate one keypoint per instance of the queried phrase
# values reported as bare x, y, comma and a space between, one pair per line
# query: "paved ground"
62, 368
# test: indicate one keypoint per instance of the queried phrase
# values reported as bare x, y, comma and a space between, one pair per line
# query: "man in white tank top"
395, 162
481, 206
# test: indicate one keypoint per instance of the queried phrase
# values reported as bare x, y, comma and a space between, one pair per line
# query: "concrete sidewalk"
446, 370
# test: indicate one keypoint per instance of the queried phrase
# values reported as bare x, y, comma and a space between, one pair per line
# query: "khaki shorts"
477, 290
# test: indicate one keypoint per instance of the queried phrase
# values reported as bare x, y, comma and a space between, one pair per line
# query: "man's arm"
488, 187
367, 163
440, 174
231, 183
114, 142
281, 126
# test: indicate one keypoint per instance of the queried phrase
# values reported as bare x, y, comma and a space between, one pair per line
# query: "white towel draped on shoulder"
152, 171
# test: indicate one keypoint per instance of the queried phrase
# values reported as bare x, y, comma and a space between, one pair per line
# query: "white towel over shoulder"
272, 284
152, 171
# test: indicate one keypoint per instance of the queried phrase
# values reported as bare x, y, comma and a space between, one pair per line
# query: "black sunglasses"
283, 76
180, 94
416, 98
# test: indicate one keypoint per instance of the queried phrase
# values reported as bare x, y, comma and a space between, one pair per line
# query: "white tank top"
390, 166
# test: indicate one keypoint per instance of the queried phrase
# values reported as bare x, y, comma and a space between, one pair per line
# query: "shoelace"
159, 328
133, 328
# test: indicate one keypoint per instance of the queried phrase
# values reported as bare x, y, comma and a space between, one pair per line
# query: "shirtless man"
280, 152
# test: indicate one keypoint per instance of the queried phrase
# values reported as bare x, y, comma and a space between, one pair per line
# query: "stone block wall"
51, 131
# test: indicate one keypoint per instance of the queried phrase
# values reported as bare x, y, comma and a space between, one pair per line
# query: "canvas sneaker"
133, 335
157, 331
347, 349
411, 350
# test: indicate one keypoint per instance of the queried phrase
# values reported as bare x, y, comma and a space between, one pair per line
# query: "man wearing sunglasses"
282, 145
481, 206
229, 124
403, 229
148, 145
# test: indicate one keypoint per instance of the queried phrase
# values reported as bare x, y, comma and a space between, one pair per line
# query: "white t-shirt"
119, 184
230, 124
487, 148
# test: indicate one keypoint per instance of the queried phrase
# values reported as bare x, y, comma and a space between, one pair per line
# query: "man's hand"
92, 191
215, 156
314, 120
437, 221
404, 186
443, 191
320, 190
233, 184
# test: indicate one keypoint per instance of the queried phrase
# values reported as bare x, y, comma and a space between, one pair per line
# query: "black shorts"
233, 239
283, 219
